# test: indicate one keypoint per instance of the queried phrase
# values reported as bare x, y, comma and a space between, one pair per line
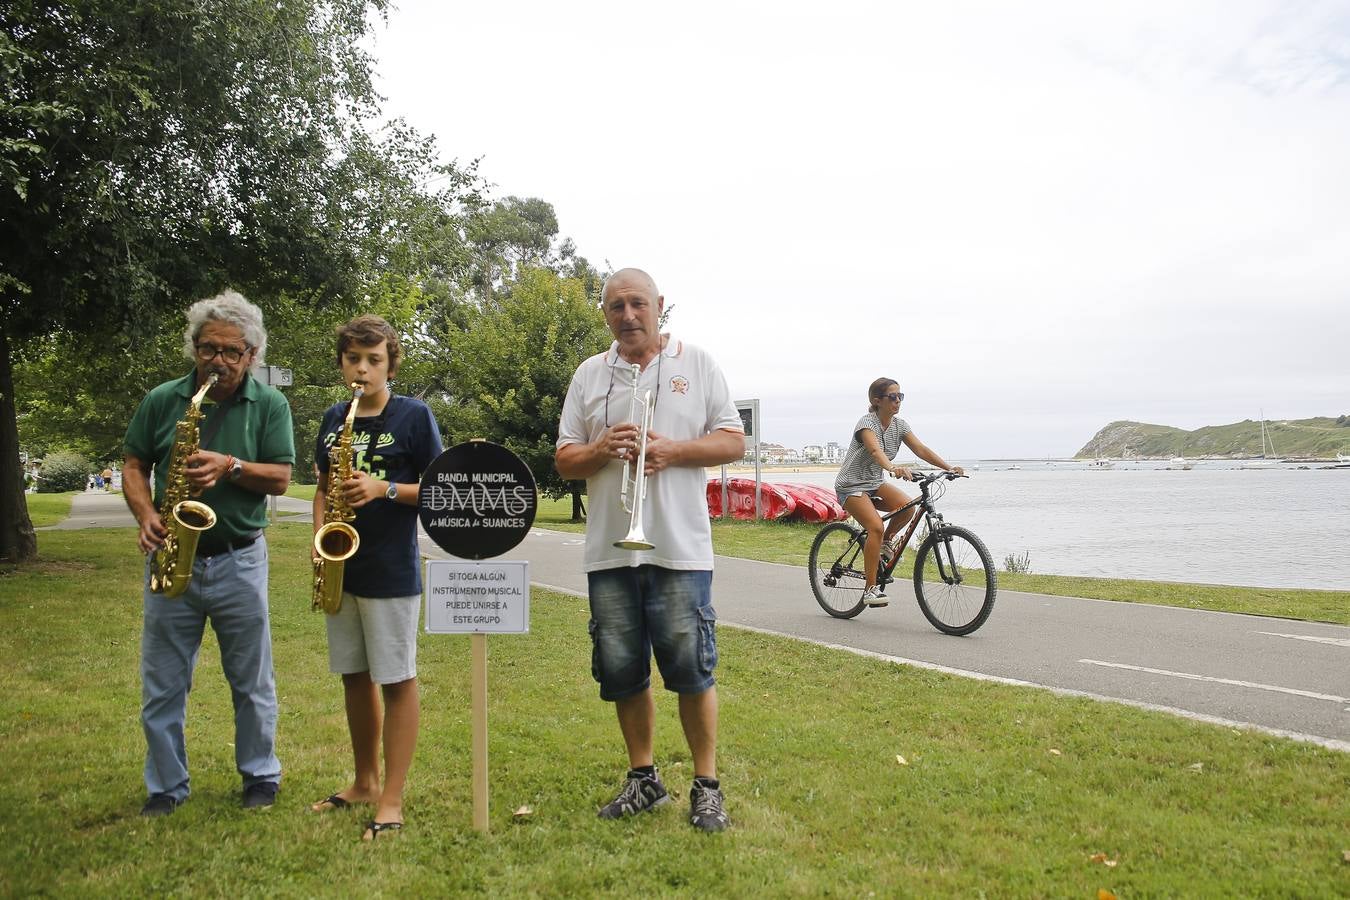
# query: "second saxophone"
336, 540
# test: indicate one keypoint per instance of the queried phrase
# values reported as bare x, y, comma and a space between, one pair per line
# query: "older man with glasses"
245, 452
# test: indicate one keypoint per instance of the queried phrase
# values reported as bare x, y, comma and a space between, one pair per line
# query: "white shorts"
376, 635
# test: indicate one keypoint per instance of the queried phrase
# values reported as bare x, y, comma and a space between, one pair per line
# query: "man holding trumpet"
649, 490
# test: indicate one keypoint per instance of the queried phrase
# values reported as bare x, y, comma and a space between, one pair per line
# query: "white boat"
1181, 463
1100, 464
1267, 460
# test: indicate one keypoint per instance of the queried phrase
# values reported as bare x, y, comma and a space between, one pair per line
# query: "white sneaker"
887, 551
874, 596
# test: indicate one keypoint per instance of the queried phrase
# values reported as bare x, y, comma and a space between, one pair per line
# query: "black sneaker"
264, 793
706, 812
640, 793
159, 805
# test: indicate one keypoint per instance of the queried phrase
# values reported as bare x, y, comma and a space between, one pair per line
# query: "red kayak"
775, 502
815, 503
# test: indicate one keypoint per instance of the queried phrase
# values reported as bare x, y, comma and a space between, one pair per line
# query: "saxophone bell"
335, 543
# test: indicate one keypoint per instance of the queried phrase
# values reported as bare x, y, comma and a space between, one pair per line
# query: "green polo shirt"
257, 428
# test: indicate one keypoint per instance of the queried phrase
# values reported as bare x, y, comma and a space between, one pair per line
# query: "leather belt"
205, 550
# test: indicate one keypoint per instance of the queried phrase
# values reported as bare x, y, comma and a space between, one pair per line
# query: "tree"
511, 364
155, 151
509, 234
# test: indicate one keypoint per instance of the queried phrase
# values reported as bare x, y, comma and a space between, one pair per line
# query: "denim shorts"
873, 493
638, 611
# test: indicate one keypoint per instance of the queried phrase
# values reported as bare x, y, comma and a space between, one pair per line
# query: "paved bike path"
1277, 674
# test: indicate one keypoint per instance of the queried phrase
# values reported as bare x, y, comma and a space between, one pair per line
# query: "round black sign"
477, 500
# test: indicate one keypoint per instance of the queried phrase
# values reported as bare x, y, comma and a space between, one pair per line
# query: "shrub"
63, 470
1018, 564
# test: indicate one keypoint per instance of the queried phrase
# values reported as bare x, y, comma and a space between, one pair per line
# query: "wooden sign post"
477, 500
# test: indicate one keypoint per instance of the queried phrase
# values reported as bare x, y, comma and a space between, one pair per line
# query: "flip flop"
333, 801
376, 827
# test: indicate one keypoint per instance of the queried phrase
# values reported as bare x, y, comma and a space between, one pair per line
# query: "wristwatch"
392, 493
236, 469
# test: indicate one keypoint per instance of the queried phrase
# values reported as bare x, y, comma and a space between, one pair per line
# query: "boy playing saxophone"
372, 637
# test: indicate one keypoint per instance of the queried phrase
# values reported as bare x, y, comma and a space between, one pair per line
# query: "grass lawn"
301, 491
790, 543
1004, 791
49, 509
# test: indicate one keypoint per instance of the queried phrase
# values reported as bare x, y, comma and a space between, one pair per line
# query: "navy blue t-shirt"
387, 562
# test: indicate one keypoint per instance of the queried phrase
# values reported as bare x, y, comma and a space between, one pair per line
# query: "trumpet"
634, 487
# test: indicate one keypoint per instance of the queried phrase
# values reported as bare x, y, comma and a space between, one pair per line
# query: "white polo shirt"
692, 400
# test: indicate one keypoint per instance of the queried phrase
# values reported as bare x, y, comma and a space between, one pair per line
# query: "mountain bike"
954, 578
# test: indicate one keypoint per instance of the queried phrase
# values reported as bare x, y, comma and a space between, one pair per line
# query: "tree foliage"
511, 363
63, 470
155, 151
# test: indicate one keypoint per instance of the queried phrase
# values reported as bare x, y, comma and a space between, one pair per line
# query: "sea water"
1214, 524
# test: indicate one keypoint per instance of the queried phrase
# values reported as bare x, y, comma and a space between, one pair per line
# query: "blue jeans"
638, 611
230, 589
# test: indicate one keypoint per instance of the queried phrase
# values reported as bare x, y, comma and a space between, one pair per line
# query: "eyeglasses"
895, 396
232, 355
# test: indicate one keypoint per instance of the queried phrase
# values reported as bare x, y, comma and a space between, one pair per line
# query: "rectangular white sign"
486, 596
276, 376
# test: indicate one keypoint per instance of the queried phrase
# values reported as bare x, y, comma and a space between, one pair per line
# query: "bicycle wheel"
837, 577
954, 580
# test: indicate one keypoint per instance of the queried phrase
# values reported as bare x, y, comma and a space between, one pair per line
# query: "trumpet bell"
634, 540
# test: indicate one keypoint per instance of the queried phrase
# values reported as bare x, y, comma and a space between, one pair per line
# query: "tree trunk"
578, 508
18, 542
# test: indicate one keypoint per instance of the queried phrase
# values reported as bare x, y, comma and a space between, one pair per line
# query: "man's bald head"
630, 278
632, 310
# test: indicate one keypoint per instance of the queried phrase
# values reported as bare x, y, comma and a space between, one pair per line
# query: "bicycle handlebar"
930, 477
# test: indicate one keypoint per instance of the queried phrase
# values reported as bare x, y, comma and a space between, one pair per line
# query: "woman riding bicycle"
876, 440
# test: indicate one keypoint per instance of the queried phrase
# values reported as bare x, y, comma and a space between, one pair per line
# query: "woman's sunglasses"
895, 395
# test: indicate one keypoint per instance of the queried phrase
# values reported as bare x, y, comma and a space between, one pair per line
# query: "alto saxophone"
185, 518
336, 540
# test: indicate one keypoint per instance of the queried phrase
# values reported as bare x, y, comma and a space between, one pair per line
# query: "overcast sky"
1037, 217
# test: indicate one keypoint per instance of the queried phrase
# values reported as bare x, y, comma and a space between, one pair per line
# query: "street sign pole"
478, 689
749, 410
277, 377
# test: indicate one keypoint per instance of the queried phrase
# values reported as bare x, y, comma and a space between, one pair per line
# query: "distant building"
833, 454
813, 453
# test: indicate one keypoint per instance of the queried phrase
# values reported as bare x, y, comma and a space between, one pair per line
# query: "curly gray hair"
229, 307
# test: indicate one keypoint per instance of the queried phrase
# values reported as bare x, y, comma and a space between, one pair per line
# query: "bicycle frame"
927, 514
